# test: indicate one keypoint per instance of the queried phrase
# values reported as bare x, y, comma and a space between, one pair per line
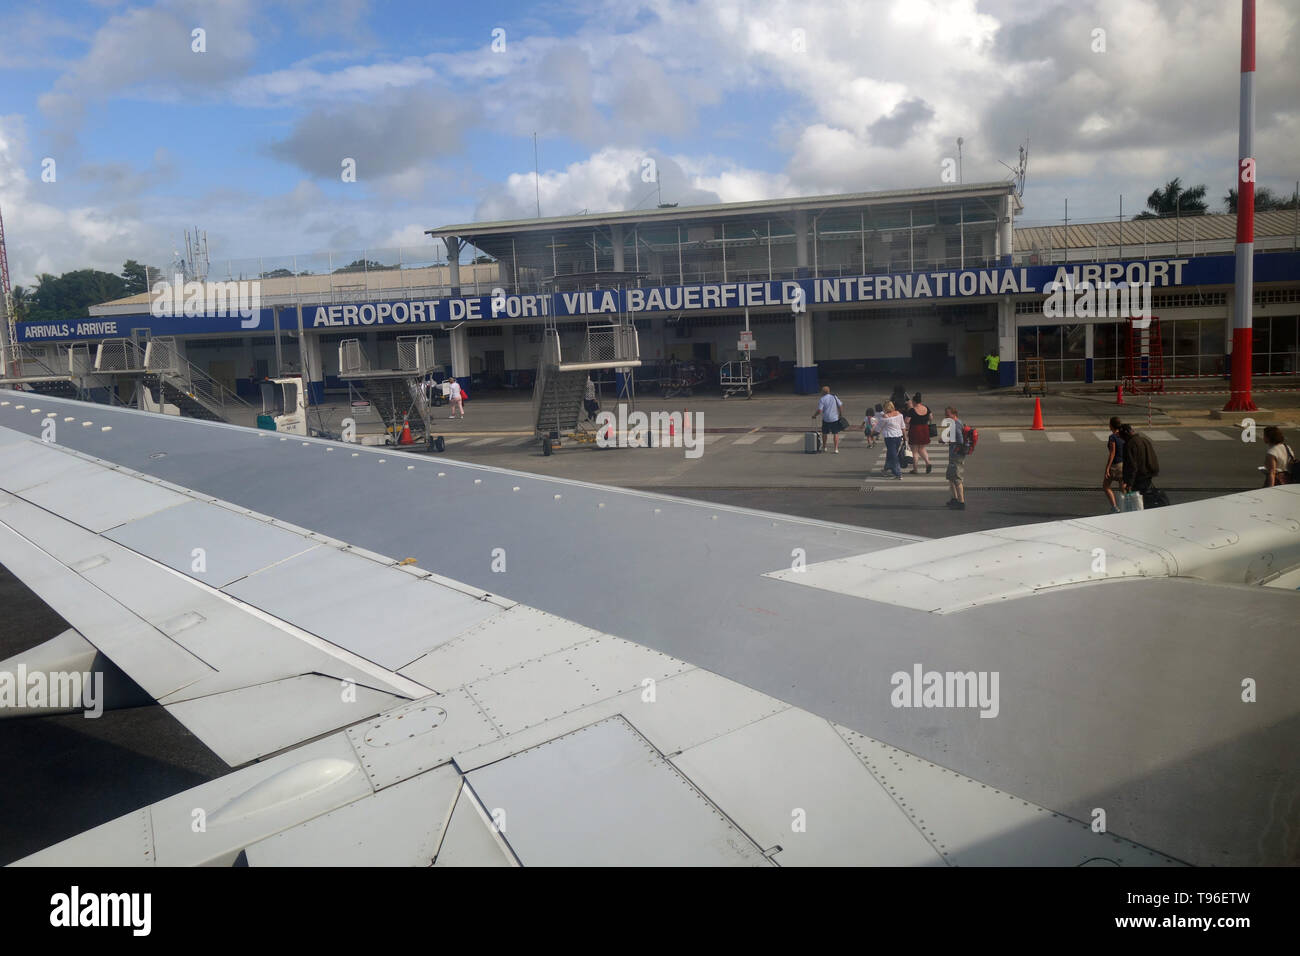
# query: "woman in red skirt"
918, 434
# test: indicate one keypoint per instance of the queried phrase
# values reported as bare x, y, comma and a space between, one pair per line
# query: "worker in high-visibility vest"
991, 365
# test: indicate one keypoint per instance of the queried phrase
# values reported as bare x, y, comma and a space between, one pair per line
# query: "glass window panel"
1072, 370
1049, 341
1212, 342
1283, 338
1027, 340
1186, 365
1259, 364
1075, 343
1259, 337
1187, 337
1283, 363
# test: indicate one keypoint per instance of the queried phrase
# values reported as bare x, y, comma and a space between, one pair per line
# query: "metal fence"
415, 353
352, 360
118, 355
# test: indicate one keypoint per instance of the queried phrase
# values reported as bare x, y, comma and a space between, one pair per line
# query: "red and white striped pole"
1243, 301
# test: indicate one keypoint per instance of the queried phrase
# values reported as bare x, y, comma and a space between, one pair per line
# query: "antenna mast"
10, 343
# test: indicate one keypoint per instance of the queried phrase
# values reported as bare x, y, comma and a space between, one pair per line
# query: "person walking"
455, 396
1140, 462
891, 429
991, 363
868, 426
1114, 473
829, 408
954, 433
589, 402
918, 434
1278, 460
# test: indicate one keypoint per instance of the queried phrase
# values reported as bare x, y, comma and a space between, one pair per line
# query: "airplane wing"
383, 712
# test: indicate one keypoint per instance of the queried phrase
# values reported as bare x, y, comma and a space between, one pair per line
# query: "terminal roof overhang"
494, 238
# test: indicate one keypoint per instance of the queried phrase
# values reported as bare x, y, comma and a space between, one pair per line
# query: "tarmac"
1067, 405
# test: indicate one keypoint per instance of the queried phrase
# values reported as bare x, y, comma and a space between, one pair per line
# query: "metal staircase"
196, 393
559, 385
394, 394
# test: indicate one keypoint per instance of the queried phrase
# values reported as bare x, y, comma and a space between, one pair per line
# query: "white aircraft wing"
441, 724
661, 686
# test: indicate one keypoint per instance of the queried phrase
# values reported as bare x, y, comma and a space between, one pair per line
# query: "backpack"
970, 437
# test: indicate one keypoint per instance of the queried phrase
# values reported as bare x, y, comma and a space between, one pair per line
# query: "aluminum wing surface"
1123, 674
380, 714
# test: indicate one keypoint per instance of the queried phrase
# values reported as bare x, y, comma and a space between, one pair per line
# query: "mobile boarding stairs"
163, 380
396, 394
561, 381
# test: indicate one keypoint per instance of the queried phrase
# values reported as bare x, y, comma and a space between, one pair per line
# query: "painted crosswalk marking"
747, 439
1059, 436
1212, 436
789, 439
1010, 436
1101, 436
485, 441
1159, 436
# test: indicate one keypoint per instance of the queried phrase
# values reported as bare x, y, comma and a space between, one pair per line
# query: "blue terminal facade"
923, 283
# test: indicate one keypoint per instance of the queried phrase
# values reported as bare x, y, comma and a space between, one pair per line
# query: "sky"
121, 127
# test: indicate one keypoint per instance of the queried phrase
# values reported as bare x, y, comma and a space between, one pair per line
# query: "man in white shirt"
828, 407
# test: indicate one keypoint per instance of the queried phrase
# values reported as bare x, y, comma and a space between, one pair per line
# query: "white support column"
460, 354
805, 363
801, 244
1004, 231
616, 232
1088, 353
313, 369
1007, 371
453, 263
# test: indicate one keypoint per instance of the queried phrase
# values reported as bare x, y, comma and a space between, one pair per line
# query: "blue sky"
731, 100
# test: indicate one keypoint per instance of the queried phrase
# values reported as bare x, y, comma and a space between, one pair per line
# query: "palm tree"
22, 300
1265, 200
1174, 200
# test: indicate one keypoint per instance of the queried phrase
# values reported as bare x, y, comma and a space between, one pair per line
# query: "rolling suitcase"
811, 442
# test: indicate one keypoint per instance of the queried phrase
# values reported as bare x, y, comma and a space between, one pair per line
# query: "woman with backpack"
1279, 460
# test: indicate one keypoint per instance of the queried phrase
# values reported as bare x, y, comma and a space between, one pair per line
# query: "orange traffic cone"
1038, 416
406, 438
1119, 394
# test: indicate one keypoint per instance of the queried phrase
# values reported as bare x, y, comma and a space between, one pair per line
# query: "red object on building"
1244, 299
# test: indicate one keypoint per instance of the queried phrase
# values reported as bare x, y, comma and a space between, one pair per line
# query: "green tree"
278, 274
1265, 200
363, 265
137, 276
1173, 200
22, 303
68, 297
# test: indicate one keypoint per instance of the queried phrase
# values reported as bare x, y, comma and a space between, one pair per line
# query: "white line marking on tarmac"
485, 441
789, 439
746, 439
1213, 436
1010, 436
1101, 436
1160, 436
1059, 436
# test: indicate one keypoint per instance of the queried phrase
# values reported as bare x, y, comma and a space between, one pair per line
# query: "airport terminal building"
910, 283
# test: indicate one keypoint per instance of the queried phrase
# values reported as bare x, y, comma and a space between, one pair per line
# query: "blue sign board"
807, 294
